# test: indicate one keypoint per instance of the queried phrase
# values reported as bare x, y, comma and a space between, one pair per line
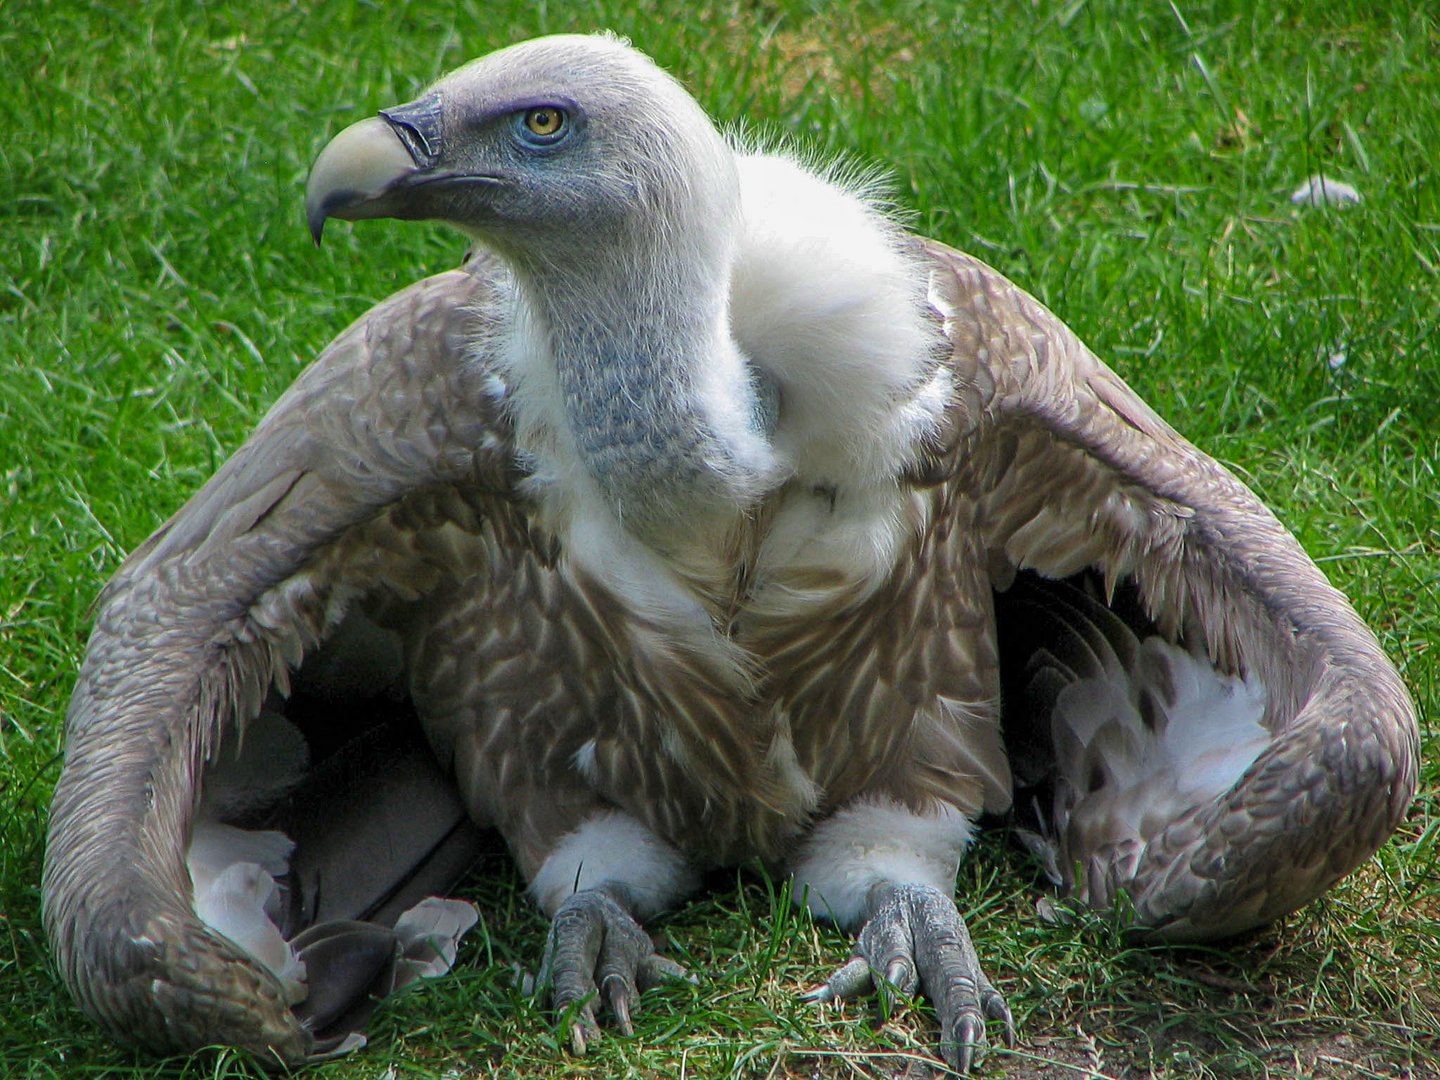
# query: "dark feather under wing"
384, 482
329, 500
1062, 469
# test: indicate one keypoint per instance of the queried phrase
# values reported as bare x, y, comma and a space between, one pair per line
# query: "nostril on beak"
418, 124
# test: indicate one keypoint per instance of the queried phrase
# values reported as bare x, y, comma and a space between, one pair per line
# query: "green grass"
1128, 162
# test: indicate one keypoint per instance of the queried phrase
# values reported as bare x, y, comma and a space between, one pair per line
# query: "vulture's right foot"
598, 953
914, 939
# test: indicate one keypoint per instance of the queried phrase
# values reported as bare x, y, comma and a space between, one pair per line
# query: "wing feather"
388, 436
1058, 468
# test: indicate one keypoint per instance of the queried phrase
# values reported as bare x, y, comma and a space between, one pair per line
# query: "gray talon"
597, 956
656, 969
996, 1009
849, 980
900, 974
915, 936
618, 995
959, 1051
577, 1038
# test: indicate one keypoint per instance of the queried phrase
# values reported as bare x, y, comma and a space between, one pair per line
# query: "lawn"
1130, 163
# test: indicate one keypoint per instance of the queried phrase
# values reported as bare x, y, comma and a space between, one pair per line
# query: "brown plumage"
802, 664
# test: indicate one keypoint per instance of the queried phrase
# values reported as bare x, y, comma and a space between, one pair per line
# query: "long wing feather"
1060, 468
388, 435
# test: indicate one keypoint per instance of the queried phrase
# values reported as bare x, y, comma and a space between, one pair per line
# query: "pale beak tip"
355, 170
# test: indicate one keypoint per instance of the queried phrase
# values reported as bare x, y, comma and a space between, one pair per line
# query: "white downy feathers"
1205, 729
614, 849
877, 841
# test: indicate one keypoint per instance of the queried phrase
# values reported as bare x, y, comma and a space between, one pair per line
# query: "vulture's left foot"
914, 938
597, 952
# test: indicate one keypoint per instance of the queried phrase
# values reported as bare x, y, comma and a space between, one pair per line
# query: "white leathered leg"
875, 841
614, 850
891, 871
597, 882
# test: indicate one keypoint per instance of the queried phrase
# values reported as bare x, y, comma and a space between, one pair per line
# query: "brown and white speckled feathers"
789, 645
337, 495
1061, 468
383, 480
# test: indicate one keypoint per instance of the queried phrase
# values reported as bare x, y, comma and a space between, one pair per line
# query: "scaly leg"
596, 885
890, 871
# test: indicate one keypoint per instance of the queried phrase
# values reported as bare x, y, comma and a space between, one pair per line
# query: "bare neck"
666, 414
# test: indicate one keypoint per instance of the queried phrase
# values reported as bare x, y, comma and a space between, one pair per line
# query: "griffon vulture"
705, 516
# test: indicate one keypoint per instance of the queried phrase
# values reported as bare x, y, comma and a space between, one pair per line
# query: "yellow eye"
545, 121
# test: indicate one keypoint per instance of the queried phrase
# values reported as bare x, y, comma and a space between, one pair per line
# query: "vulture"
704, 516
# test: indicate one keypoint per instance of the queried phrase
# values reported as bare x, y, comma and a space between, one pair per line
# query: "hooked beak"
375, 168
355, 173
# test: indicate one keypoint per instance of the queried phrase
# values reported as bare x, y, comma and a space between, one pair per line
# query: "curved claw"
914, 938
598, 953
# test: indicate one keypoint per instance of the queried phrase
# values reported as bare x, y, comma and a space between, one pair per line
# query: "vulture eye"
545, 123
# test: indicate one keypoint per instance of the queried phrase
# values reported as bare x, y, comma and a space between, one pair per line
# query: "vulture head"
547, 150
603, 185
708, 517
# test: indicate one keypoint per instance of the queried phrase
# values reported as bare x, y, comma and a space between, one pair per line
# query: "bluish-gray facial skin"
543, 152
487, 170
614, 200
501, 171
